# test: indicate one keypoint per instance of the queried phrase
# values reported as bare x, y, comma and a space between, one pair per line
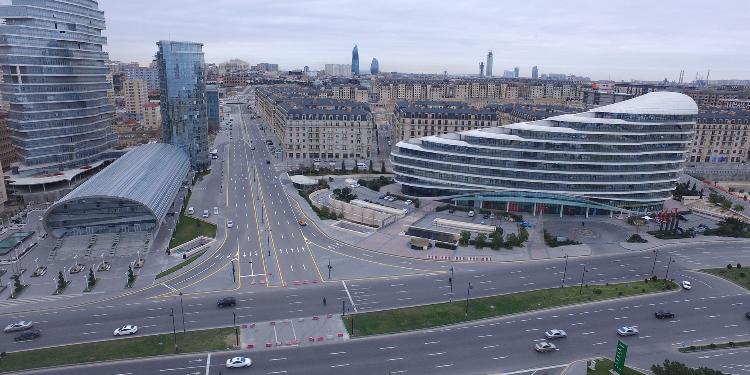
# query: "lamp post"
450, 281
269, 242
653, 267
236, 329
174, 330
666, 276
330, 267
583, 275
468, 293
565, 272
182, 308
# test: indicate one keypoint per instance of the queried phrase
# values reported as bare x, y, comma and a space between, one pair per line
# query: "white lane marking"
350, 296
208, 363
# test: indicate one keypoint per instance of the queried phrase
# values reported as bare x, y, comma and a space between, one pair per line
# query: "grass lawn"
134, 347
739, 276
190, 228
428, 316
184, 263
603, 365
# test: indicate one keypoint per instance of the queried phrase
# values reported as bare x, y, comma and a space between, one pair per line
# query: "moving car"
627, 331
555, 334
747, 315
230, 224
239, 362
661, 314
544, 347
471, 213
268, 162
302, 222
354, 186
226, 302
686, 285
28, 335
19, 326
408, 202
127, 329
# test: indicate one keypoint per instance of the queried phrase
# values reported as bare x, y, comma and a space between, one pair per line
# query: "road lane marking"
350, 296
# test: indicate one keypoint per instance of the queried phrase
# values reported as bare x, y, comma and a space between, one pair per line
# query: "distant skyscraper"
516, 72
481, 69
184, 109
535, 72
375, 67
489, 64
355, 61
55, 81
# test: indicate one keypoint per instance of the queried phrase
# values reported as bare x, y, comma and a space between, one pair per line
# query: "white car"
408, 202
354, 186
471, 214
19, 326
686, 285
216, 210
238, 362
555, 334
205, 214
544, 347
627, 331
125, 330
230, 224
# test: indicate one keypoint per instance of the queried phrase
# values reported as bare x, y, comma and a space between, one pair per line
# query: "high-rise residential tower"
535, 72
355, 61
489, 64
516, 72
55, 84
184, 110
481, 69
375, 67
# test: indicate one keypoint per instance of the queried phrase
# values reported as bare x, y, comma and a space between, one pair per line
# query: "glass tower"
375, 67
55, 83
184, 110
355, 61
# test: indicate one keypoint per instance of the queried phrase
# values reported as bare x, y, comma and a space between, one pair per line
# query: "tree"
465, 237
91, 279
726, 205
481, 241
17, 286
61, 283
343, 166
382, 167
131, 276
677, 368
511, 241
523, 235
497, 239
371, 170
738, 207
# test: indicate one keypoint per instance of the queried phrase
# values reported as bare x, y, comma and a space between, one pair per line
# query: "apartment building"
721, 138
427, 118
318, 128
356, 93
135, 92
152, 115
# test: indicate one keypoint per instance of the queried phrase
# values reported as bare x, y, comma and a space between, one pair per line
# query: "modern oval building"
133, 194
621, 157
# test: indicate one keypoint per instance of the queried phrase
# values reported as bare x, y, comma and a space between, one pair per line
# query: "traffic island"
463, 310
604, 366
134, 347
734, 273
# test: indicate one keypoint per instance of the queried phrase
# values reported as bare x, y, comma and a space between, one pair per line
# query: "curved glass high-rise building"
375, 67
55, 84
355, 61
627, 155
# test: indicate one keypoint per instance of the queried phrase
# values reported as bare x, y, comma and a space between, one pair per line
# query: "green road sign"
622, 352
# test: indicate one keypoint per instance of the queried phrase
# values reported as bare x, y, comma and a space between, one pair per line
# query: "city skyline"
585, 38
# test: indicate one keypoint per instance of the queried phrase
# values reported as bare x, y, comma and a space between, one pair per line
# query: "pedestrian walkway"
315, 330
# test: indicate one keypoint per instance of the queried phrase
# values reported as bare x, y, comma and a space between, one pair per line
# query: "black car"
226, 302
268, 162
747, 315
661, 314
28, 335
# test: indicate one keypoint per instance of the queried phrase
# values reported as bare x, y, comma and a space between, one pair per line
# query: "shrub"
739, 266
464, 239
636, 238
729, 266
742, 274
619, 293
654, 278
712, 346
597, 291
481, 241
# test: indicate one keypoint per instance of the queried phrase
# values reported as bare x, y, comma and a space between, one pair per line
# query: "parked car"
627, 331
354, 186
686, 285
28, 335
268, 162
216, 210
555, 334
191, 211
471, 213
408, 202
239, 362
226, 302
127, 329
205, 214
19, 326
747, 315
661, 314
544, 347
526, 224
230, 224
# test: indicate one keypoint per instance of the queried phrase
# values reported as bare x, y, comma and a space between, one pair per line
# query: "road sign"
622, 352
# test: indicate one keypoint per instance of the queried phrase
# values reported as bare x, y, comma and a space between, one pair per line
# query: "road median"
460, 311
120, 349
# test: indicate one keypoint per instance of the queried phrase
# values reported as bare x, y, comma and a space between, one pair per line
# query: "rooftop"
654, 103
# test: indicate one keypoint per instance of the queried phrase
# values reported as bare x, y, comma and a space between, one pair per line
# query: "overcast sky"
617, 39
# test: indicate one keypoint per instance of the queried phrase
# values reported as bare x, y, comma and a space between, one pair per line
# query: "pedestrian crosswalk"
32, 300
298, 250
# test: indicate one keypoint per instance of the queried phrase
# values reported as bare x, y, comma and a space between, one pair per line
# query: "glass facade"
184, 108
55, 84
355, 61
622, 159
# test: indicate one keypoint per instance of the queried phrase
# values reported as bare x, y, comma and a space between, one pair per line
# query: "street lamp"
666, 276
236, 329
468, 293
330, 267
583, 274
450, 281
565, 272
182, 308
656, 253
174, 330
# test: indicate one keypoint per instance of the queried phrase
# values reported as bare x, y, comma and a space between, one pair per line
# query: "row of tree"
495, 240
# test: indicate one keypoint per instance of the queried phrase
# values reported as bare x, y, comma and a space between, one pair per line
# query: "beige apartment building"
721, 138
316, 128
425, 118
135, 92
152, 115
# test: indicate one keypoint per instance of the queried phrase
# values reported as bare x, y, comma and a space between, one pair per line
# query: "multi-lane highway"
277, 276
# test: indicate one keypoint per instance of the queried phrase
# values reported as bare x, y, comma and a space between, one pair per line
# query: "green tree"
497, 239
481, 241
61, 283
131, 276
523, 235
343, 166
511, 241
17, 286
465, 237
726, 205
382, 167
738, 207
677, 368
91, 278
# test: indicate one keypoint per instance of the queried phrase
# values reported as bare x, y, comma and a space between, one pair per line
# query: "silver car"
555, 334
544, 347
19, 326
627, 331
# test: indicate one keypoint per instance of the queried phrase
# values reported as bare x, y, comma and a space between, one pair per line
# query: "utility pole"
330, 267
653, 268
343, 307
182, 308
468, 293
450, 281
236, 329
565, 272
666, 276
583, 274
174, 331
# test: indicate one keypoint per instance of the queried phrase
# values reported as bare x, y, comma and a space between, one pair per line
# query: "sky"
602, 39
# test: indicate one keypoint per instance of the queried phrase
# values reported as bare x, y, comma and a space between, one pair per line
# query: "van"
361, 165
191, 211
